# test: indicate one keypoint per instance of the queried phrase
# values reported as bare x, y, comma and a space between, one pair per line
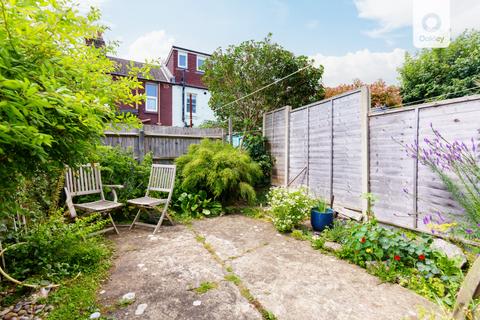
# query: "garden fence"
341, 147
165, 143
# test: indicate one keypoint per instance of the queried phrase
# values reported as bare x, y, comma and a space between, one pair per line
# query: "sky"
365, 39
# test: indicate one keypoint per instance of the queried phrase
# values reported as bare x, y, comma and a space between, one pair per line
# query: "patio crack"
234, 278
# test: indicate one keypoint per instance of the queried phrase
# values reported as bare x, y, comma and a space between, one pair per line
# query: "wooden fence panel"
298, 156
320, 149
347, 152
459, 121
275, 131
165, 143
391, 169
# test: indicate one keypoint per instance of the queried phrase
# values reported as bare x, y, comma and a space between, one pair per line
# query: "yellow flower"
369, 250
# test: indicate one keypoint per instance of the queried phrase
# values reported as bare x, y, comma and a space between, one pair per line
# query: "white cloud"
364, 65
152, 45
392, 15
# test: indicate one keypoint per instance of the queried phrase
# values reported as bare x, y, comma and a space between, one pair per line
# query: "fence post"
264, 122
331, 150
365, 107
415, 171
308, 147
141, 144
230, 131
287, 143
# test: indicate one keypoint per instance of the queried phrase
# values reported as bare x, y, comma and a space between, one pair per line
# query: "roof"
157, 73
187, 50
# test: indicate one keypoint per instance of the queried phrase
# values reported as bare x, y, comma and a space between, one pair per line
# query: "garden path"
267, 272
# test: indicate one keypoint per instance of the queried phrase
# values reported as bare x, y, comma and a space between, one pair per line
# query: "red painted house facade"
157, 108
175, 92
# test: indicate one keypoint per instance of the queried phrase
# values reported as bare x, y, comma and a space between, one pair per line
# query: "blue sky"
363, 39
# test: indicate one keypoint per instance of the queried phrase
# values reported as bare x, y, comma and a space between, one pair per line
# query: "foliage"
54, 249
257, 149
197, 205
320, 205
400, 257
239, 70
205, 287
382, 95
459, 169
77, 299
289, 207
442, 73
225, 173
56, 94
120, 167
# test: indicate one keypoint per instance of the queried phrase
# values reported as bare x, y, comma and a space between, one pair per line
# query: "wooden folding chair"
87, 180
162, 178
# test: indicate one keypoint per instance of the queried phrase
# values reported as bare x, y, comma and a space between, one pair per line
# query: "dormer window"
182, 60
200, 62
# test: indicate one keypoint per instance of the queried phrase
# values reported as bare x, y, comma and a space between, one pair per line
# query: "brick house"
188, 88
174, 87
157, 109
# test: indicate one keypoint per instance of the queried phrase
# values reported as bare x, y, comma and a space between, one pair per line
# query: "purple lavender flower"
469, 231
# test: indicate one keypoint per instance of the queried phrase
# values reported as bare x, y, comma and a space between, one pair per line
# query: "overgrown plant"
56, 93
120, 167
458, 166
197, 205
223, 172
54, 249
289, 207
256, 148
399, 257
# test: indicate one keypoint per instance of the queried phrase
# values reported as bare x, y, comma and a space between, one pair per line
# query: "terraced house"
175, 92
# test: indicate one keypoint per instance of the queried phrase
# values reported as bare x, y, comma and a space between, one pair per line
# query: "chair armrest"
118, 186
113, 187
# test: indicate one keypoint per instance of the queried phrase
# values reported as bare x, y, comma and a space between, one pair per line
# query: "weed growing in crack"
205, 287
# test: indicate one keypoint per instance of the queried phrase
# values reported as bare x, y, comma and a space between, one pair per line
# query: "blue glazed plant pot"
321, 220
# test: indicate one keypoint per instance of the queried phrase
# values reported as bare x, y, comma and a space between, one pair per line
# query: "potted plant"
321, 216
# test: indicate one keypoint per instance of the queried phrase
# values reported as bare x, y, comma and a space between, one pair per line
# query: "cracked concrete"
285, 275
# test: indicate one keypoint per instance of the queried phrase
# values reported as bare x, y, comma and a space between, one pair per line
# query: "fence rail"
340, 147
165, 143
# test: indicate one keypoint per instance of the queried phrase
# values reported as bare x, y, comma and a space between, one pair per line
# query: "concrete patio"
276, 273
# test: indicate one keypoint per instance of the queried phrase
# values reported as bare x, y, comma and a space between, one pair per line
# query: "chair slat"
83, 180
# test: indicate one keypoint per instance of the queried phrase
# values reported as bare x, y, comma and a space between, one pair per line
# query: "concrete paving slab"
162, 270
294, 281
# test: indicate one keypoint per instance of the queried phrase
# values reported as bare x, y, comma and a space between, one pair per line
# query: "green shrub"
120, 167
395, 256
225, 173
55, 249
256, 148
289, 207
197, 205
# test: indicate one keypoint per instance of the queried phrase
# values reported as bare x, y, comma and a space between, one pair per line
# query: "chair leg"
135, 220
113, 223
161, 220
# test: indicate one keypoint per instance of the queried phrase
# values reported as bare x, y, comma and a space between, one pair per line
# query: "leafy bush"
120, 167
289, 207
225, 173
398, 257
55, 249
57, 95
256, 148
197, 205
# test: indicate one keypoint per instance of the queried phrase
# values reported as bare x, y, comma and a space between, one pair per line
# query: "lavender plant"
458, 167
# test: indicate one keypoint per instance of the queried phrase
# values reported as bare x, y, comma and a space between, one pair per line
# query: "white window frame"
187, 105
151, 97
182, 53
201, 58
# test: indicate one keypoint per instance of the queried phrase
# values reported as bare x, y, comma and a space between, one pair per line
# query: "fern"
224, 172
